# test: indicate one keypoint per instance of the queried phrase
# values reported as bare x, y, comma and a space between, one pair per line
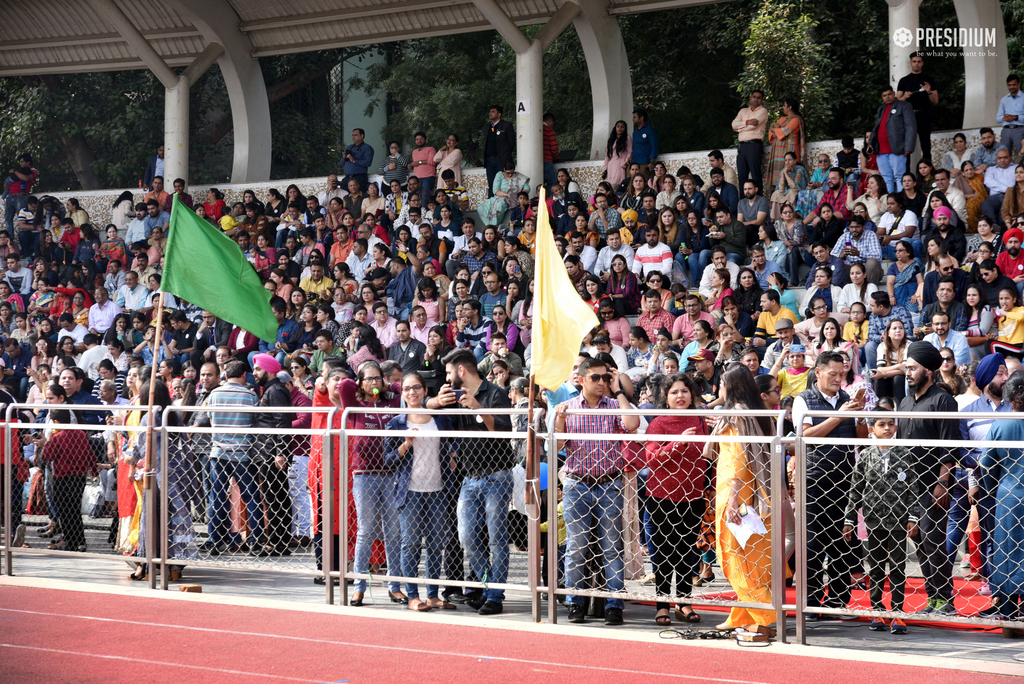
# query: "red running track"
82, 637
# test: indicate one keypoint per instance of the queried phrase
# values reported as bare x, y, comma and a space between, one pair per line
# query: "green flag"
207, 268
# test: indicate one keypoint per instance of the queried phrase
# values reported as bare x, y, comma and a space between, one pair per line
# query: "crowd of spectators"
862, 284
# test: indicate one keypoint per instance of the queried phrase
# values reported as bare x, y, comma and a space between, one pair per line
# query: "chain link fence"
736, 517
899, 529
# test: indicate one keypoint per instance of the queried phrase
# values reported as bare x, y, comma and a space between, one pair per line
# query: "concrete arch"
610, 82
247, 91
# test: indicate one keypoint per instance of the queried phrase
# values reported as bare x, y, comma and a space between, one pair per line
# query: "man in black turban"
935, 467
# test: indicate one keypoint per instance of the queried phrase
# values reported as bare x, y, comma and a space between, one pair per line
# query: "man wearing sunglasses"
592, 495
947, 269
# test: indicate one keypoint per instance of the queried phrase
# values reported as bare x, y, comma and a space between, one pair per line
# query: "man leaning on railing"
828, 471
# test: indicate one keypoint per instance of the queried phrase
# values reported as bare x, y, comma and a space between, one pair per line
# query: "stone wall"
587, 173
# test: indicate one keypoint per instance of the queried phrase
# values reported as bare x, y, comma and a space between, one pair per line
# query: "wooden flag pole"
157, 342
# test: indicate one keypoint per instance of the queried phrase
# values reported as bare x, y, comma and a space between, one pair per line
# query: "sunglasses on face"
601, 378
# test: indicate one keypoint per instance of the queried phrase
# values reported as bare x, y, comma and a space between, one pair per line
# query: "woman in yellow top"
1010, 316
76, 213
743, 483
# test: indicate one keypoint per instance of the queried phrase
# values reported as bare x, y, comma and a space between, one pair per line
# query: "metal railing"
334, 430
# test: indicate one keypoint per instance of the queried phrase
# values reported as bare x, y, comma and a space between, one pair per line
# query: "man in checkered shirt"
592, 495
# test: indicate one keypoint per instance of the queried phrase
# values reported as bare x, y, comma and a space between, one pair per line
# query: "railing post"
164, 490
327, 511
552, 550
800, 555
533, 549
779, 501
152, 512
8, 488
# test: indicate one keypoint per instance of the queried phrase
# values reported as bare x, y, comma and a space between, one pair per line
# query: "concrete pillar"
985, 67
529, 113
217, 21
176, 121
610, 83
903, 24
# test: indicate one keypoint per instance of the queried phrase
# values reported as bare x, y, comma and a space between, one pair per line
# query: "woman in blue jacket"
424, 477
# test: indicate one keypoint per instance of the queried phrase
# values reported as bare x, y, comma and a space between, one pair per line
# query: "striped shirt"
234, 445
591, 457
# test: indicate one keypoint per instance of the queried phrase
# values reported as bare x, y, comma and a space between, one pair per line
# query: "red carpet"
65, 636
966, 599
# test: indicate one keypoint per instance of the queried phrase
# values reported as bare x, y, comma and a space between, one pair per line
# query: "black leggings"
67, 494
676, 528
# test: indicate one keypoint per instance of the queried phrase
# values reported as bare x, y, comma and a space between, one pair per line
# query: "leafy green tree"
784, 60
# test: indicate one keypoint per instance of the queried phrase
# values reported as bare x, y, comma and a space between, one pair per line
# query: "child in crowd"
792, 380
856, 329
885, 488
519, 213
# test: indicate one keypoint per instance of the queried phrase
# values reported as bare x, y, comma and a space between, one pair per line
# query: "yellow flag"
561, 319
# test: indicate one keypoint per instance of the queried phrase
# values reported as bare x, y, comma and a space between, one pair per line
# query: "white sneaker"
19, 537
985, 590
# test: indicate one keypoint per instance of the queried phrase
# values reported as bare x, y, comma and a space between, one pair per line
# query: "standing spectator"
550, 150
829, 469
893, 137
645, 141
271, 455
592, 496
18, 189
917, 88
884, 486
744, 481
1011, 116
230, 458
675, 493
422, 165
356, 160
449, 158
498, 141
486, 464
934, 470
787, 137
617, 154
749, 124
154, 168
394, 166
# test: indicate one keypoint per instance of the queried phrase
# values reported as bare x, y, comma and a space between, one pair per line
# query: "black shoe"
260, 552
576, 614
322, 581
613, 616
454, 596
213, 549
476, 603
490, 608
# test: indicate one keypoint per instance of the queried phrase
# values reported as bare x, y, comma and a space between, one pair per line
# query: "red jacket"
677, 466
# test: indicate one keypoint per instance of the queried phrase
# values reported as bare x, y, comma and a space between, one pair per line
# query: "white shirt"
909, 219
618, 354
426, 459
605, 256
997, 180
588, 257
91, 359
705, 279
102, 317
359, 266
77, 333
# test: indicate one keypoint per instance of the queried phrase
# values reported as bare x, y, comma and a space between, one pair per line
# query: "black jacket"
504, 140
275, 395
411, 358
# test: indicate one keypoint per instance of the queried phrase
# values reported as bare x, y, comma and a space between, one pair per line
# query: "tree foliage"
445, 85
783, 59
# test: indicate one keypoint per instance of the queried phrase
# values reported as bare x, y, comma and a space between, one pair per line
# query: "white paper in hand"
749, 525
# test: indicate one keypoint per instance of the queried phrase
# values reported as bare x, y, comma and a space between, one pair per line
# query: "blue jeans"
283, 235
871, 351
694, 264
12, 205
598, 509
484, 501
375, 517
737, 259
891, 168
422, 520
221, 472
550, 174
28, 240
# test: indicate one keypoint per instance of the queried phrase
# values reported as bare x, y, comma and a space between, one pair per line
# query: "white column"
529, 113
610, 83
176, 120
903, 14
985, 68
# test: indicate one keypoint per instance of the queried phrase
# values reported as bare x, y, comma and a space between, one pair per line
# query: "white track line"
157, 662
353, 644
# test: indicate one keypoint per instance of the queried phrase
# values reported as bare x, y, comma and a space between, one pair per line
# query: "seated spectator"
719, 259
858, 245
821, 255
